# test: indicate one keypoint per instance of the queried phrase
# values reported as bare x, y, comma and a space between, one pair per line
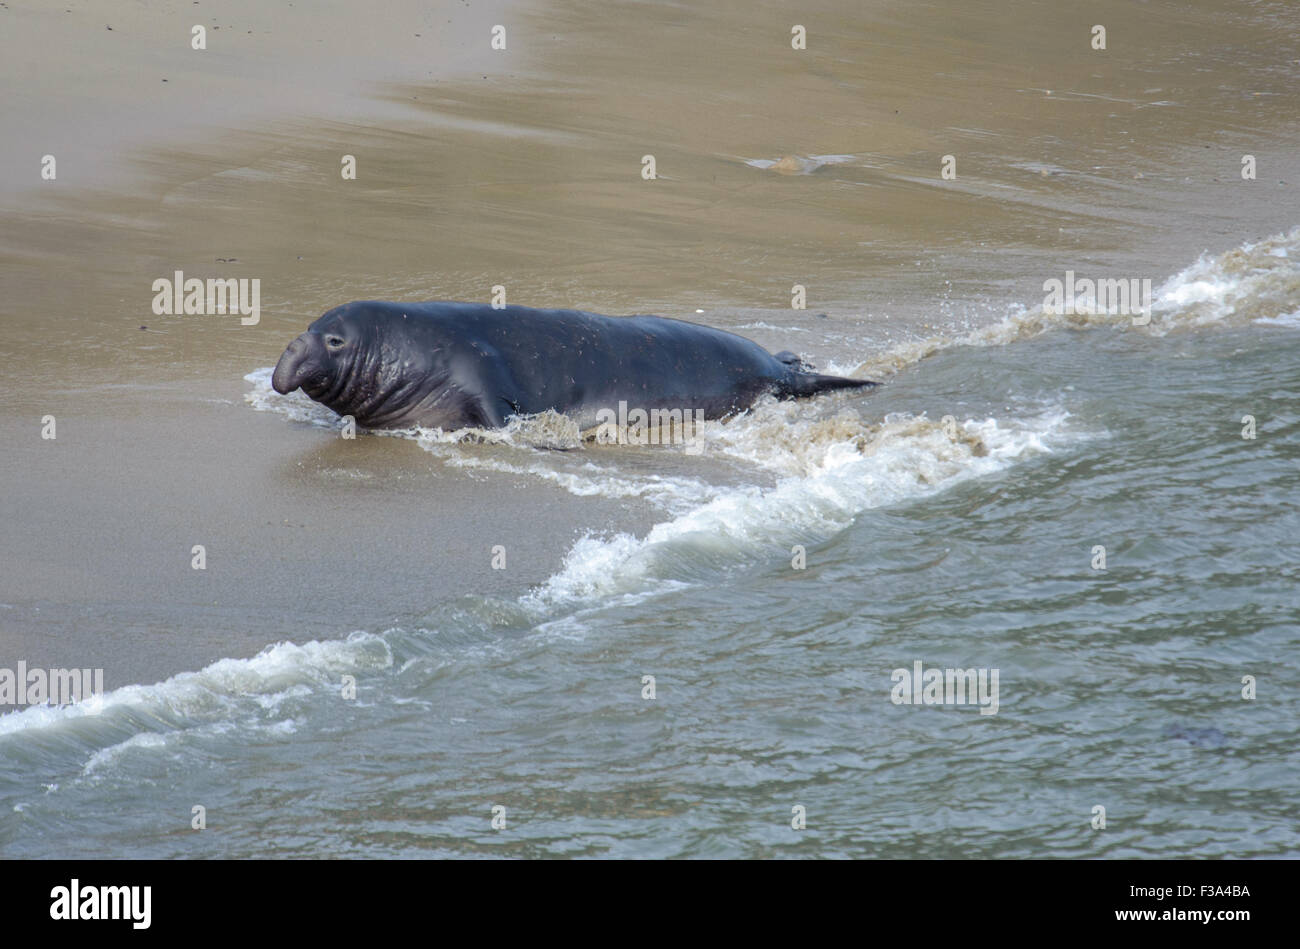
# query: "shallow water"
951, 516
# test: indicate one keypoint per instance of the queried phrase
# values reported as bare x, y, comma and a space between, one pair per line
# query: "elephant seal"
460, 365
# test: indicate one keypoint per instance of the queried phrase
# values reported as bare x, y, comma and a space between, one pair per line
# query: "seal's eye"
334, 342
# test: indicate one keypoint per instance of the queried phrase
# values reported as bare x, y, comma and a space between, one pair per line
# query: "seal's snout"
294, 366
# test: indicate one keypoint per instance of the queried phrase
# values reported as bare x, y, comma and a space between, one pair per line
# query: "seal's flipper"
800, 384
802, 381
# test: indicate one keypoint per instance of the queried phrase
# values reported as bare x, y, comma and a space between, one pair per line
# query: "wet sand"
523, 168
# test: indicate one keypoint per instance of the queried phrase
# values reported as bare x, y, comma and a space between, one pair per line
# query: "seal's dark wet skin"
457, 365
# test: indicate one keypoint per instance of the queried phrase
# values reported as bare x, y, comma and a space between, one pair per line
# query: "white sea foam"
109, 755
1257, 282
831, 470
295, 406
222, 689
760, 325
1283, 319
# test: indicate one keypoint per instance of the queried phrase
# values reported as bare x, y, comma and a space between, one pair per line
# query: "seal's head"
361, 359
309, 363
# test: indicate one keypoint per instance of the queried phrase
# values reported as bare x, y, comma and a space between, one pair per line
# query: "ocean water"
956, 517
